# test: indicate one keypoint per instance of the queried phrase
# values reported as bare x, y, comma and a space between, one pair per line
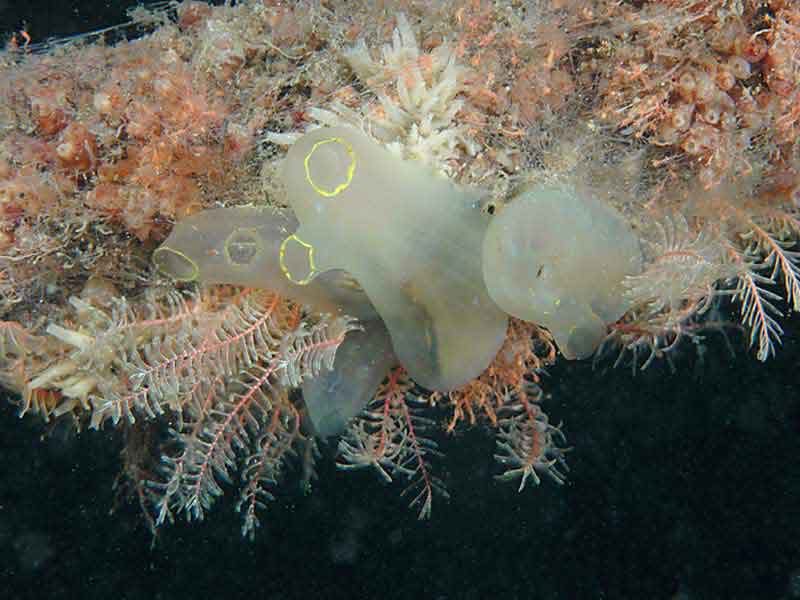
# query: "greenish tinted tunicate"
241, 245
411, 238
556, 257
362, 361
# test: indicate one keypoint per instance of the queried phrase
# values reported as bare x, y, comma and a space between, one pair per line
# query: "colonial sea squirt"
410, 238
422, 254
241, 245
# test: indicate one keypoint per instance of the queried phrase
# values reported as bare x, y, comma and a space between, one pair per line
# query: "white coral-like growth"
415, 101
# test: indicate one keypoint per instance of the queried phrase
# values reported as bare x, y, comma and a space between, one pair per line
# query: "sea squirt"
558, 257
334, 397
410, 237
240, 245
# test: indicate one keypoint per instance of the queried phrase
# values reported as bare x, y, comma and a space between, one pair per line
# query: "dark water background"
682, 485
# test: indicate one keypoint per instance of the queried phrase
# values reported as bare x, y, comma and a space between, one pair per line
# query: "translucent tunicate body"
410, 237
557, 258
241, 245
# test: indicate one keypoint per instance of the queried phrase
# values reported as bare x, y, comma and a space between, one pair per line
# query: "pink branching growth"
764, 250
310, 350
758, 311
386, 437
782, 263
221, 342
263, 467
213, 430
733, 246
89, 362
245, 420
678, 286
526, 351
219, 363
683, 268
527, 444
641, 341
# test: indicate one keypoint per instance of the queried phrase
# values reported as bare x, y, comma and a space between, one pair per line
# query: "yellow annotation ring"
312, 268
195, 269
351, 168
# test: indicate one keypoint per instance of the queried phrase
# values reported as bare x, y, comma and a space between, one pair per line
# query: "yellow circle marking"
312, 268
195, 268
351, 168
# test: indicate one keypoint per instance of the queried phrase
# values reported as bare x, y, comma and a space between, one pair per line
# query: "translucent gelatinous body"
241, 245
362, 361
411, 238
557, 258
